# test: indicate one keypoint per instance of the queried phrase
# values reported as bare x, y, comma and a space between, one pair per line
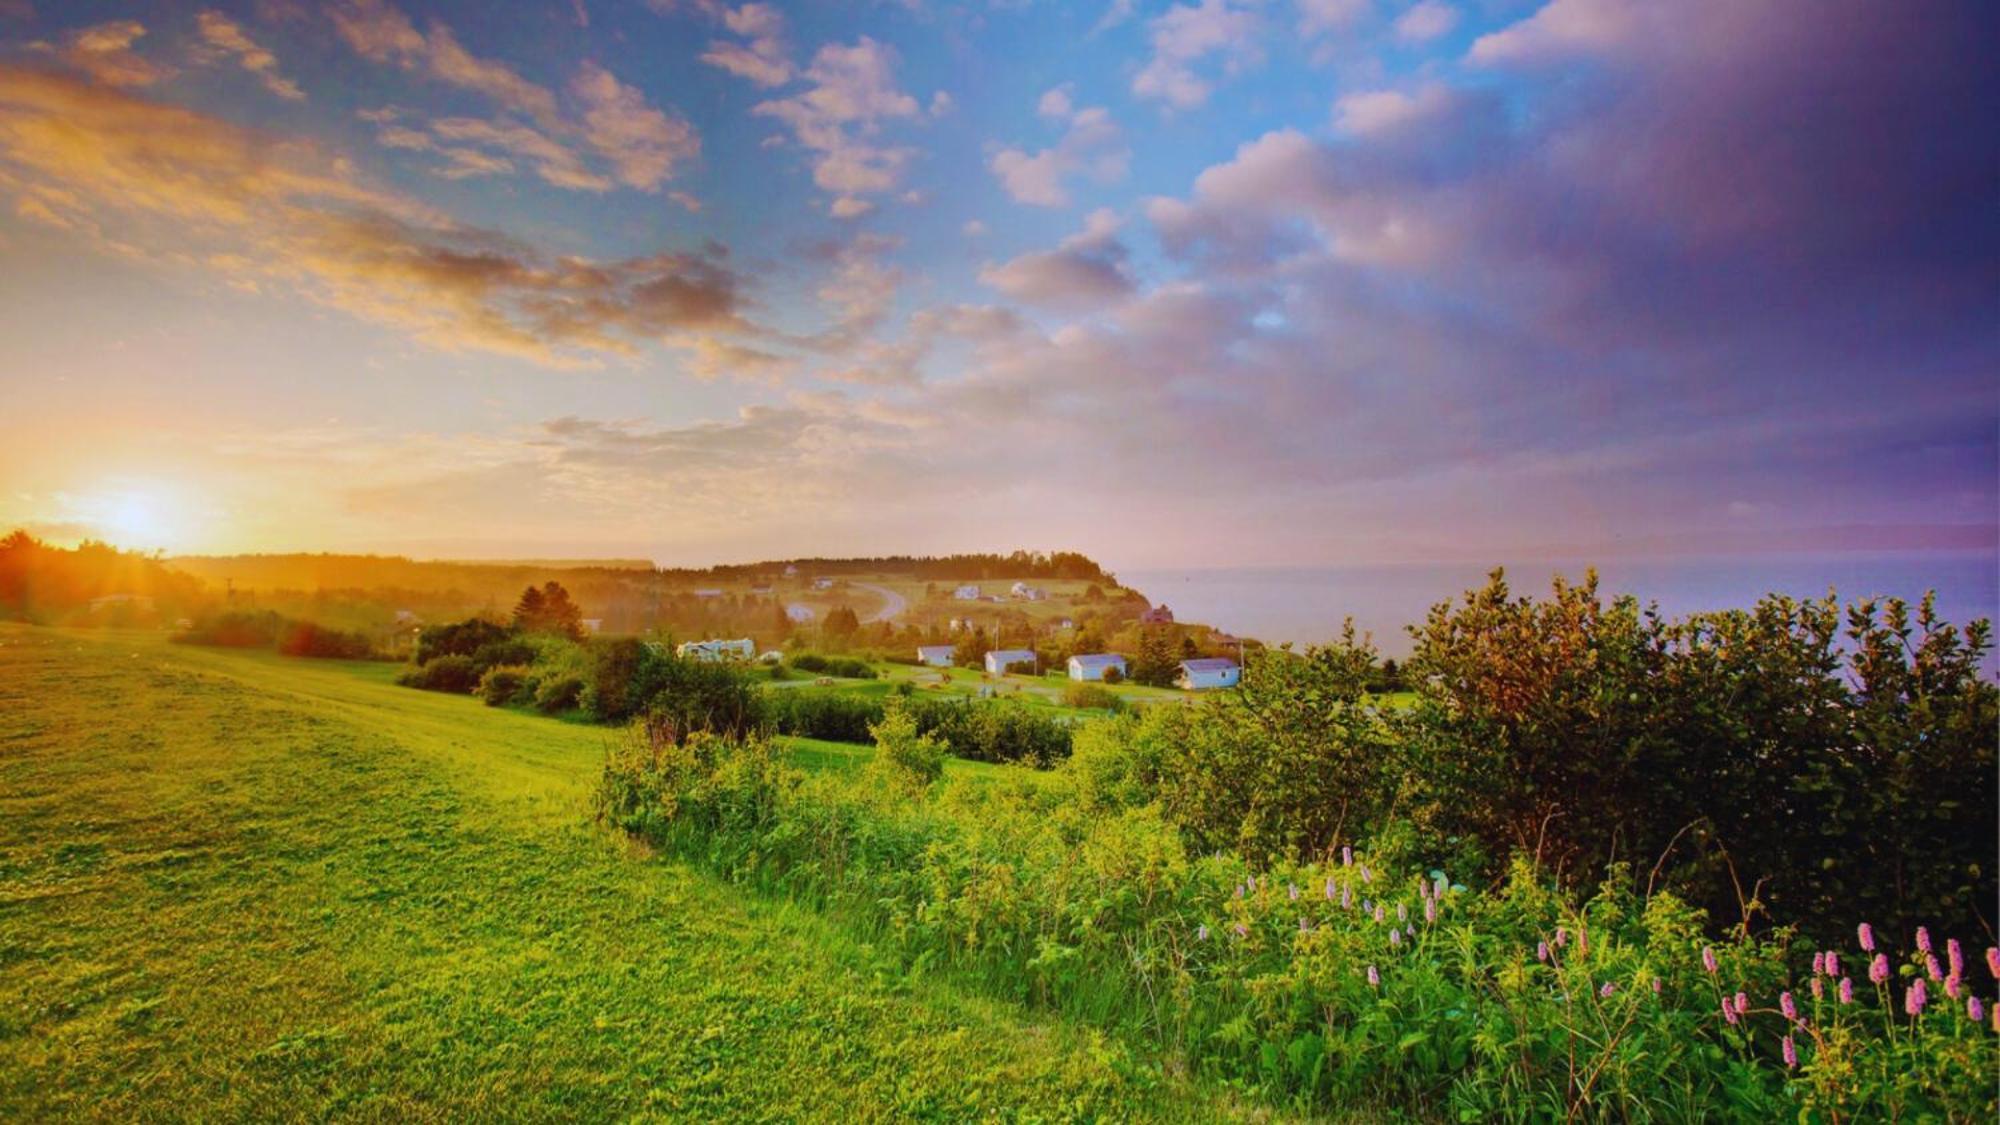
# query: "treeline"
1796, 763
264, 629
57, 586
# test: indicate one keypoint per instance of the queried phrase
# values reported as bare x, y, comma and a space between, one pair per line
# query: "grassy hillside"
238, 886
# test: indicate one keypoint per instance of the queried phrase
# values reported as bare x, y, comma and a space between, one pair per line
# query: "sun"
142, 516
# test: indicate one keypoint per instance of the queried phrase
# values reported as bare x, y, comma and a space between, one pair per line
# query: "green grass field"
235, 886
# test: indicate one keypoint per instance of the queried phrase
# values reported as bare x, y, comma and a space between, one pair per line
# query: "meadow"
241, 886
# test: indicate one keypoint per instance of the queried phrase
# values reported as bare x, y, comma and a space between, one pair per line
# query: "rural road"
893, 603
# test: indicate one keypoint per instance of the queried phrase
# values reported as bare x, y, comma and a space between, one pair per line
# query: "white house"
1093, 666
822, 583
1208, 672
1001, 659
743, 649
935, 656
966, 593
1027, 593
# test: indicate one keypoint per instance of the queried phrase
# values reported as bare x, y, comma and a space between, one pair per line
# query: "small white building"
1001, 659
593, 624
966, 593
1208, 673
935, 656
1094, 665
1027, 593
708, 592
822, 583
791, 571
799, 614
714, 650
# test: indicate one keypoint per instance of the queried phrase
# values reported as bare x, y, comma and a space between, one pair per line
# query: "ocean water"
1305, 605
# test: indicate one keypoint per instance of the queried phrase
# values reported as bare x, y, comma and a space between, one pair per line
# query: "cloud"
1185, 36
764, 59
853, 90
225, 35
1426, 21
1319, 17
1086, 269
1091, 145
1375, 113
640, 145
104, 52
199, 191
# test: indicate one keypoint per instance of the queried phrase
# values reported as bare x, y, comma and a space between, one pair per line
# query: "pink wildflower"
1818, 989
1923, 939
1867, 933
1915, 999
1430, 910
1708, 959
1878, 969
1742, 1004
1973, 1011
1819, 963
1931, 967
1993, 961
1374, 978
1541, 951
1791, 1054
1293, 890
1728, 1012
1832, 963
1562, 937
1329, 889
1847, 990
1346, 856
1605, 992
1955, 956
1785, 1005
1951, 987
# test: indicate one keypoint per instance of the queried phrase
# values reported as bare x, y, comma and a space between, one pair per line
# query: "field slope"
236, 886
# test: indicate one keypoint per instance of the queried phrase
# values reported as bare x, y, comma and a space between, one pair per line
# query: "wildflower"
1605, 992
1582, 942
1791, 1054
1708, 959
1878, 969
1656, 986
1367, 907
1541, 951
1819, 989
1923, 939
1345, 898
1955, 956
1374, 978
1329, 889
1867, 933
1367, 876
1993, 961
1915, 998
1304, 926
1201, 932
1832, 963
1562, 937
1786, 1006
1742, 1004
1819, 963
1728, 1012
1430, 910
1931, 966
1293, 890
1951, 987
1242, 931
1239, 890
1443, 886
1346, 856
1395, 937
1847, 990
1378, 913
1402, 913
1973, 1011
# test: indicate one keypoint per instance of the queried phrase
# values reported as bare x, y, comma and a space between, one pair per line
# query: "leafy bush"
831, 715
1336, 983
503, 684
509, 650
463, 638
559, 693
451, 673
905, 759
236, 629
1087, 697
845, 667
306, 639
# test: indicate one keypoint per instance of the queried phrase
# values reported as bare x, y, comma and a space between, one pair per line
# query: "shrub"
831, 715
503, 684
845, 667
306, 639
1113, 675
238, 629
463, 638
452, 673
1089, 697
510, 650
903, 758
559, 693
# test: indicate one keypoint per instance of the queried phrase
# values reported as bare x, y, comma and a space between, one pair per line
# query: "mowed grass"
235, 886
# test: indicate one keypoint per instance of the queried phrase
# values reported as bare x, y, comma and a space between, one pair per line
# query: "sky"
1221, 283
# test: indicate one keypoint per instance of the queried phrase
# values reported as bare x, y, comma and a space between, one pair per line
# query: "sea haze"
1305, 605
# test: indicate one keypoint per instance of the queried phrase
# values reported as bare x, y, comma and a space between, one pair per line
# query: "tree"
548, 610
1155, 666
842, 623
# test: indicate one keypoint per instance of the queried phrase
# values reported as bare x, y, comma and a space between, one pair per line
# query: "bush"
451, 673
905, 759
831, 715
511, 650
1113, 675
306, 639
844, 667
463, 638
559, 693
503, 684
239, 629
1093, 697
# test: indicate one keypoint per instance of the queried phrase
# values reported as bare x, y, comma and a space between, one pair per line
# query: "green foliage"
845, 667
235, 629
463, 638
549, 609
832, 715
504, 684
1325, 985
905, 759
1094, 696
451, 672
1157, 664
303, 638
559, 692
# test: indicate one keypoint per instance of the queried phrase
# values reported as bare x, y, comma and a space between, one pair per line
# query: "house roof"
1096, 659
1208, 664
1012, 654
923, 650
